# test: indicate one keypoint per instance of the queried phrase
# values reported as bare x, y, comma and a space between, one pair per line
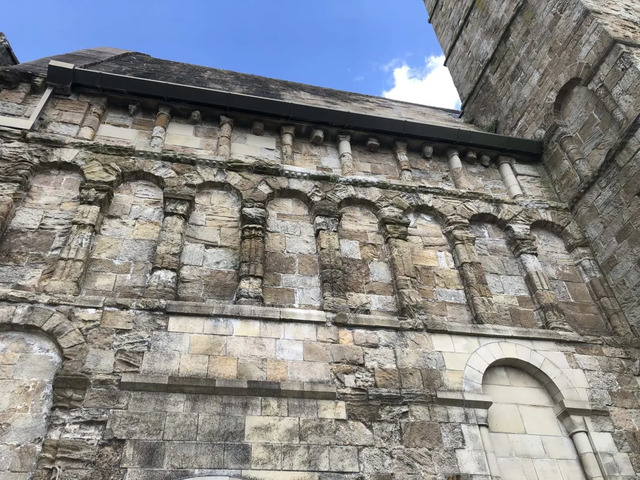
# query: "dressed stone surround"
191, 290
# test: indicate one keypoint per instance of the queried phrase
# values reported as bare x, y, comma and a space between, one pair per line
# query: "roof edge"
65, 75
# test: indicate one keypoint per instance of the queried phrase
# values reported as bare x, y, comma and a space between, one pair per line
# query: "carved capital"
96, 194
253, 216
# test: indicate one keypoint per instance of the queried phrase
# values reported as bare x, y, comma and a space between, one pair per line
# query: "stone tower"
566, 72
205, 274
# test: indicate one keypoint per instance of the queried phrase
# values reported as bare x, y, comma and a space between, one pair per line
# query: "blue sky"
376, 47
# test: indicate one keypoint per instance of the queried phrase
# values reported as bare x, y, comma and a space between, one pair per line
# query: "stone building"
212, 275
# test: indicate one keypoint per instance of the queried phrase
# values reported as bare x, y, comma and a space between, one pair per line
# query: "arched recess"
535, 423
291, 276
125, 246
574, 296
505, 276
29, 362
39, 228
33, 345
368, 281
438, 279
210, 256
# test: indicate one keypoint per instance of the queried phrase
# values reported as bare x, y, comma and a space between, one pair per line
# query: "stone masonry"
212, 275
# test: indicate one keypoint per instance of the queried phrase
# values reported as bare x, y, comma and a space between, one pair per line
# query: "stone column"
163, 282
346, 158
163, 117
463, 244
334, 297
458, 174
71, 264
600, 290
509, 177
287, 135
7, 203
224, 138
574, 154
395, 230
577, 428
251, 273
92, 120
400, 149
485, 434
523, 246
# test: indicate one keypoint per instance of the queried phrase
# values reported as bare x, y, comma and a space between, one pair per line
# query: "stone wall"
239, 297
565, 72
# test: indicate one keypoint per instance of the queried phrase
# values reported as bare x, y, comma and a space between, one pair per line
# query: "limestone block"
272, 430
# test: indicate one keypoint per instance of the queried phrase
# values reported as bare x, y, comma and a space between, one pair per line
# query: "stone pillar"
400, 149
7, 204
163, 117
71, 264
224, 138
251, 273
600, 290
509, 177
287, 135
346, 158
485, 434
472, 274
458, 174
574, 154
577, 428
92, 120
334, 297
395, 230
163, 282
523, 246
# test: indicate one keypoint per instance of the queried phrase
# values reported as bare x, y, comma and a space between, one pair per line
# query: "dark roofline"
66, 75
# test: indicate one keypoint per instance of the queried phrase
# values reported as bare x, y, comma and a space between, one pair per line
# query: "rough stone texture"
249, 311
210, 253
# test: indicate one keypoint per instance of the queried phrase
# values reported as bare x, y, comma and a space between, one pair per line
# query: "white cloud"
431, 85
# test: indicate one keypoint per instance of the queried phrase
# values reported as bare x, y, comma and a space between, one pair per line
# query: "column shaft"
330, 263
224, 139
456, 169
509, 177
159, 132
471, 272
403, 161
92, 120
72, 263
251, 271
346, 157
163, 282
287, 135
523, 246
